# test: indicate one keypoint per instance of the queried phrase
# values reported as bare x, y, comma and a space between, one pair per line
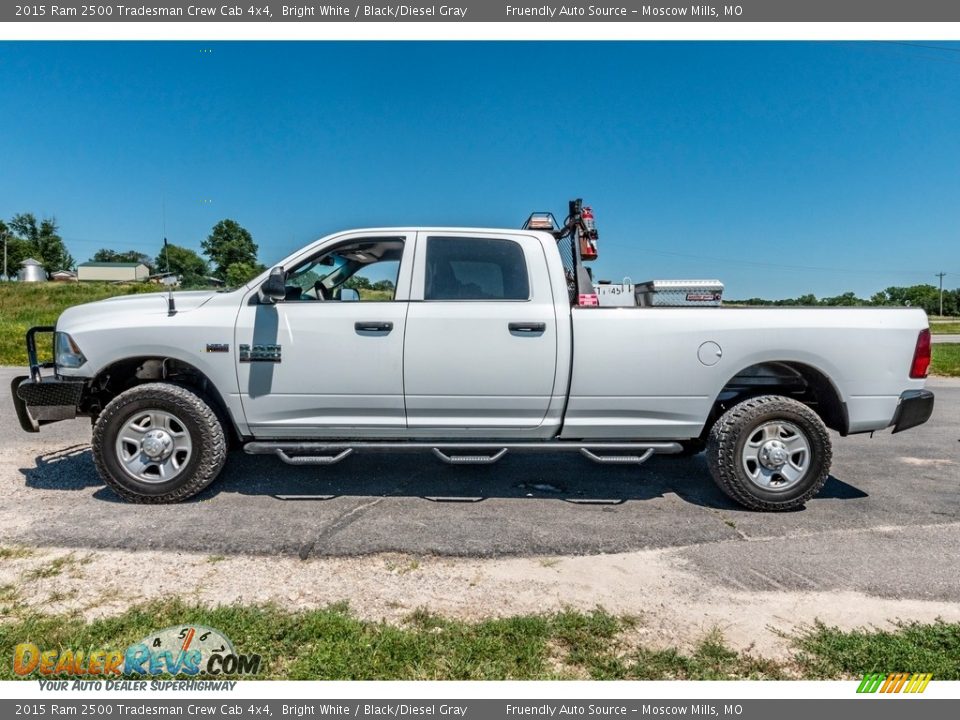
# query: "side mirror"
274, 287
349, 295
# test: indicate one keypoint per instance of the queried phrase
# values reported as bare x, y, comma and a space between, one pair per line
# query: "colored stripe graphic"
918, 683
898, 680
894, 682
870, 682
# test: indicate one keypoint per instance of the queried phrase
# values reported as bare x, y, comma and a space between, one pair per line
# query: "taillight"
921, 356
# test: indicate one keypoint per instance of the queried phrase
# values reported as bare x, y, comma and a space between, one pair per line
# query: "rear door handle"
383, 327
527, 328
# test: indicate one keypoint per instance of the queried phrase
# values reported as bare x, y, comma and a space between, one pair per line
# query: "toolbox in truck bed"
678, 293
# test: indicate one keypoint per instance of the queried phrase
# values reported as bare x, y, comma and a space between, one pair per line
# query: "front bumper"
45, 400
42, 400
914, 409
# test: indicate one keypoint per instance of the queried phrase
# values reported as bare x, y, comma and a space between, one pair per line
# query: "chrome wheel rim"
776, 455
154, 446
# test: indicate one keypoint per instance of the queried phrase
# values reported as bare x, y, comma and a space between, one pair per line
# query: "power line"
940, 275
879, 45
754, 263
919, 45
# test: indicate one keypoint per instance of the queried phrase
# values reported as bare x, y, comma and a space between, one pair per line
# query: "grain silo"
31, 271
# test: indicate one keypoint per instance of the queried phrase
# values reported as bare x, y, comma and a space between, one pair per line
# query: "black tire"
208, 446
744, 423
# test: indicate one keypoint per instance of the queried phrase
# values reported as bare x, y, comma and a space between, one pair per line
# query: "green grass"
52, 569
945, 328
23, 305
368, 295
946, 359
933, 648
16, 552
331, 643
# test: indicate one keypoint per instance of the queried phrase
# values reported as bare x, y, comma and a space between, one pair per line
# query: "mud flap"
23, 415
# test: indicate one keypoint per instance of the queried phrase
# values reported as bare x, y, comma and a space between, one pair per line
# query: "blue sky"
780, 168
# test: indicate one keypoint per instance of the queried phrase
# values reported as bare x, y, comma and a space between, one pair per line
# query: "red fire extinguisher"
588, 235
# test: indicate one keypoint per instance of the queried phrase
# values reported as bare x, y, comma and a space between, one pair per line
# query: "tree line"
231, 258
359, 282
922, 296
27, 237
231, 253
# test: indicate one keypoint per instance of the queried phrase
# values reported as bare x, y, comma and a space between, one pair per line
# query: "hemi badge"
259, 353
218, 347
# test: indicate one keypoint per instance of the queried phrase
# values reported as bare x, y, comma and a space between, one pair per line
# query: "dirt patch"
673, 607
926, 462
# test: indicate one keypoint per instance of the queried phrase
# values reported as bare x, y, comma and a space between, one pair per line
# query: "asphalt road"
887, 522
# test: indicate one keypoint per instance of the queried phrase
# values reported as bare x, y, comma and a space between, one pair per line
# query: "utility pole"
940, 275
6, 235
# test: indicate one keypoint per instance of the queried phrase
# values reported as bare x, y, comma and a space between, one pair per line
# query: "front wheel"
158, 443
769, 453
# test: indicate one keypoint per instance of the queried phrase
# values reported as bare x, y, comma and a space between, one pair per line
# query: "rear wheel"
769, 453
158, 443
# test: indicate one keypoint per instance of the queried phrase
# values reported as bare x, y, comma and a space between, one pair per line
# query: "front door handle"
383, 327
527, 328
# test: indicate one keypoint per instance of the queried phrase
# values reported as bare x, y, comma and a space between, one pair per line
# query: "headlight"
65, 351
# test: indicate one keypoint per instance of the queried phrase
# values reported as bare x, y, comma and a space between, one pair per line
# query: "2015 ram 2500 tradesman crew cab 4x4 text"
473, 346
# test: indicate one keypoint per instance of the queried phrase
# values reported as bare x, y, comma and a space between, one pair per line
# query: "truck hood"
145, 305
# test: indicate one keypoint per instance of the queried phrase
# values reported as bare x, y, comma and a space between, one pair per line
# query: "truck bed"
641, 372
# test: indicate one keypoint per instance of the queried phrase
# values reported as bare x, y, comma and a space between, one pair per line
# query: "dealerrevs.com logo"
894, 682
178, 650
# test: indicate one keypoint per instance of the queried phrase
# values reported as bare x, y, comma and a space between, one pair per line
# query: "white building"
112, 271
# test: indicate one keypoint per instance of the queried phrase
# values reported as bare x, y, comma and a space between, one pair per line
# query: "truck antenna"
171, 306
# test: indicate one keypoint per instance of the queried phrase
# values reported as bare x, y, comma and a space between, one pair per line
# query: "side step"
466, 453
618, 459
469, 459
312, 459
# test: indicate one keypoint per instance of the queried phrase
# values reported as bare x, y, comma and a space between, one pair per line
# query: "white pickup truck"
473, 346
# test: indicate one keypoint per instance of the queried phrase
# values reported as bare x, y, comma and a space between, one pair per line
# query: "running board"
295, 452
469, 459
618, 459
312, 459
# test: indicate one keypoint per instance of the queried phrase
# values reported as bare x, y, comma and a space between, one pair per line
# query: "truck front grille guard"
35, 365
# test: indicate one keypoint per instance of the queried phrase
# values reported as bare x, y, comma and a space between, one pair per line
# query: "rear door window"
459, 268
